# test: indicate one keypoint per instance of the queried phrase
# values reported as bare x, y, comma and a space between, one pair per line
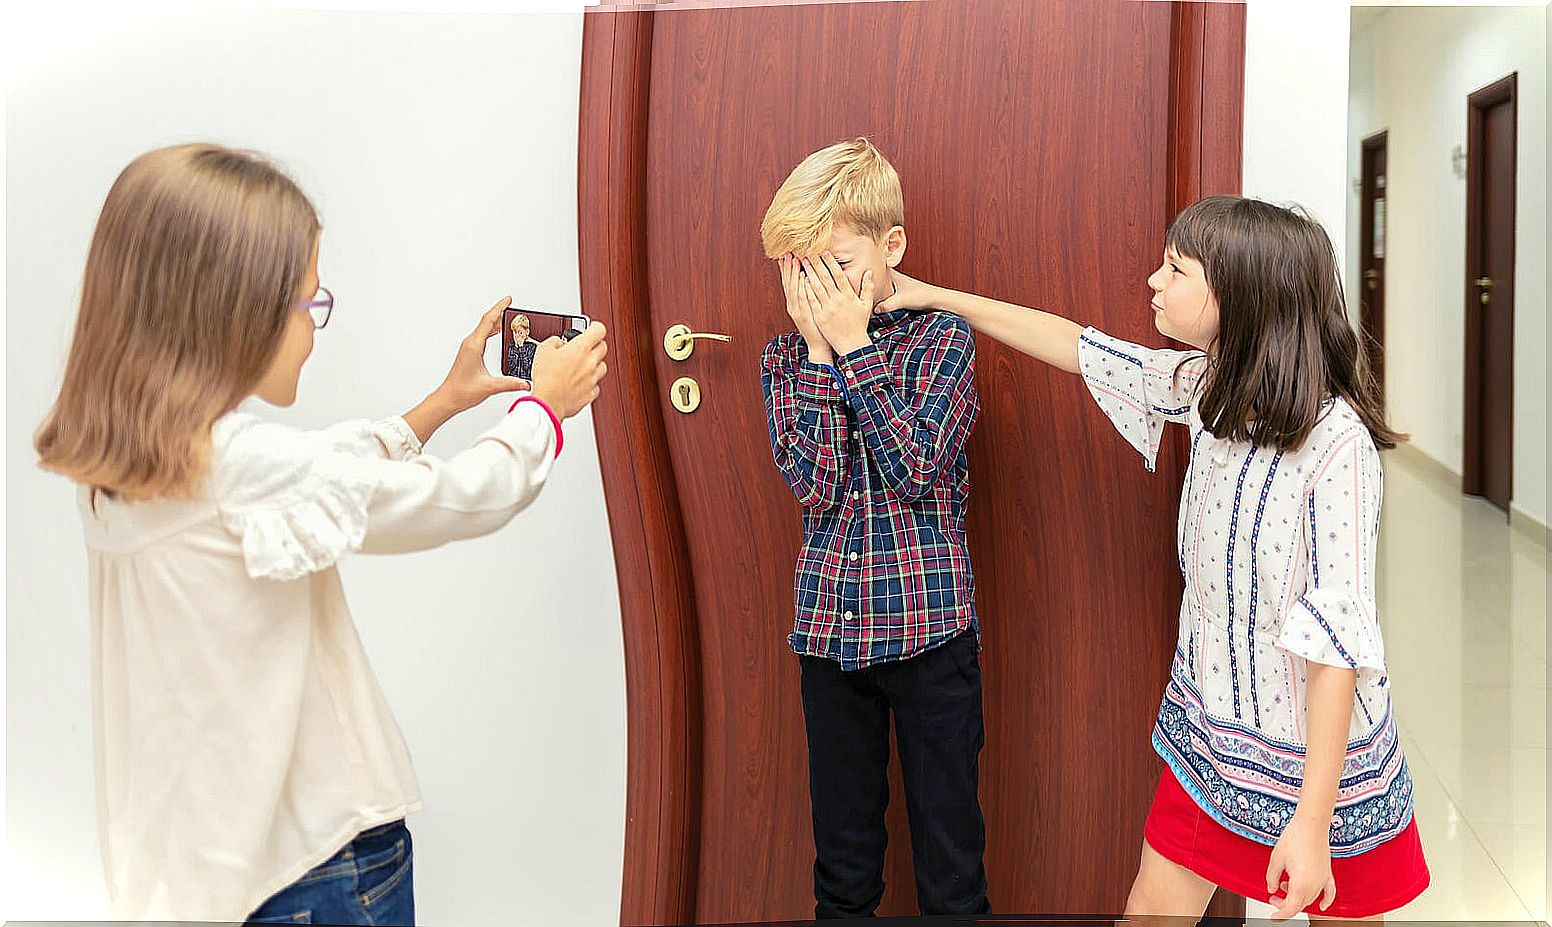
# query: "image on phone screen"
523, 329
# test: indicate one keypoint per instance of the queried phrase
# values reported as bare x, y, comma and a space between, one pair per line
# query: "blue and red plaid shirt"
874, 450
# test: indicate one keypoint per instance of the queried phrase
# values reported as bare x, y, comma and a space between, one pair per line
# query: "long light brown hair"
193, 271
1284, 338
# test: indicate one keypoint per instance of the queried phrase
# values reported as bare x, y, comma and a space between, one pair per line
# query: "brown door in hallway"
1043, 146
1488, 435
1371, 243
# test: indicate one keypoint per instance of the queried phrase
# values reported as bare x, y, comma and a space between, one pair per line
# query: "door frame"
657, 603
1503, 90
1371, 317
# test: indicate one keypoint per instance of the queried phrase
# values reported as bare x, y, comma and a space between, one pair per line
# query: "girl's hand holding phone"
566, 374
470, 382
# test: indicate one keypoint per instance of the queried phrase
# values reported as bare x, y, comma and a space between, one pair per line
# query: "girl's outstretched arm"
1042, 335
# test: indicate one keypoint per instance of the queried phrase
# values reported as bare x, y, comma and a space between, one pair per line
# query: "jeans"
370, 881
935, 698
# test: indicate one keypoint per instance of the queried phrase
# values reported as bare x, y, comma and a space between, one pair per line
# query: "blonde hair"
193, 270
849, 182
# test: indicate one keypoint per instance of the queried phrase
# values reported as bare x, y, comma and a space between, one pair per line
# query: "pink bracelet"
560, 436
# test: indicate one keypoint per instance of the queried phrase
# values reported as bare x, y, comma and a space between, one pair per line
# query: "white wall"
441, 152
1295, 107
1412, 70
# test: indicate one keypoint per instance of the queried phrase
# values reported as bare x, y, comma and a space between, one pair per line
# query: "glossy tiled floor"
1463, 600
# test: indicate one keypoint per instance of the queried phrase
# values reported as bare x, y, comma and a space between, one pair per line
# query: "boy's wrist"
847, 345
820, 353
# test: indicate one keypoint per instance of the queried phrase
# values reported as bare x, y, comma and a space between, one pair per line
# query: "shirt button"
848, 616
852, 556
856, 495
856, 436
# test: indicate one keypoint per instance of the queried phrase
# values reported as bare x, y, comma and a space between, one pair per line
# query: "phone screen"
521, 331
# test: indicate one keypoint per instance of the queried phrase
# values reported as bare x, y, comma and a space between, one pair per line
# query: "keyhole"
684, 394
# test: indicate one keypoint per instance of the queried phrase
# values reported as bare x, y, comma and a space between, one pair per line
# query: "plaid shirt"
874, 450
520, 358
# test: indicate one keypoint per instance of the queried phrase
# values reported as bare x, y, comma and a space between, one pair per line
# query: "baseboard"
1442, 478
1527, 524
1438, 475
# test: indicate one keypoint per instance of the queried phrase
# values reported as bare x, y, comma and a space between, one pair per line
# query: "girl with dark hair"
1284, 776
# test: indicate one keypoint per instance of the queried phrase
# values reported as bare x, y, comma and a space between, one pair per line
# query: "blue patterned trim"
1365, 706
1194, 696
1329, 633
1255, 576
1239, 489
1180, 411
1185, 505
1250, 754
1314, 543
1356, 828
1109, 350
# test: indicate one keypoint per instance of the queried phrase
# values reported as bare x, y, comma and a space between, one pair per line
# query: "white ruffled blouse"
241, 737
1277, 550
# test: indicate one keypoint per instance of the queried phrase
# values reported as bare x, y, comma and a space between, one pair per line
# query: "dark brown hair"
1284, 340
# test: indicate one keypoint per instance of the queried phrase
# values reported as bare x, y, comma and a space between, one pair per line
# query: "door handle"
679, 340
1371, 277
1484, 284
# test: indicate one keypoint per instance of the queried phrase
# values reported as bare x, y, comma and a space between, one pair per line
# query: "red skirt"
1375, 882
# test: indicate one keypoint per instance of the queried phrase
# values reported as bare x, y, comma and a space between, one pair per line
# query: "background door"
1043, 147
1372, 242
1490, 192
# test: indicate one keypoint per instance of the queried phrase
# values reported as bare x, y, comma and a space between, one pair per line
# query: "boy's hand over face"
841, 313
801, 310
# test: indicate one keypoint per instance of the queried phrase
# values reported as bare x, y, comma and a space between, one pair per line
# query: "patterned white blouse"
1277, 549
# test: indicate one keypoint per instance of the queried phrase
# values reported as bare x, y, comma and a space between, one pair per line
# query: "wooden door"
1372, 240
1490, 193
1043, 146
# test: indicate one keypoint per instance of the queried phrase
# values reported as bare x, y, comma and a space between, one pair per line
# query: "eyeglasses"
321, 308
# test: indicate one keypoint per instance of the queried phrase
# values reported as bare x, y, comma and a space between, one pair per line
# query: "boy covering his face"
868, 419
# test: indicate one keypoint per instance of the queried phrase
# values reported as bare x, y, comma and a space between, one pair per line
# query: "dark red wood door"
1490, 207
1039, 145
1372, 241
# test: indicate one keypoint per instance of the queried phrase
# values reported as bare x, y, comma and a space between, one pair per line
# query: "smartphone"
523, 328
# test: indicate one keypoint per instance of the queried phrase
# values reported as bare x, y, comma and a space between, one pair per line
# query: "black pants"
936, 700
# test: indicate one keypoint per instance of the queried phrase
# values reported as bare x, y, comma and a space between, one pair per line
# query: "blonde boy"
868, 418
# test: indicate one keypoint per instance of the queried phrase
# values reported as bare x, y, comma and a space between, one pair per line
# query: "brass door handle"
1484, 284
679, 340
1371, 277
